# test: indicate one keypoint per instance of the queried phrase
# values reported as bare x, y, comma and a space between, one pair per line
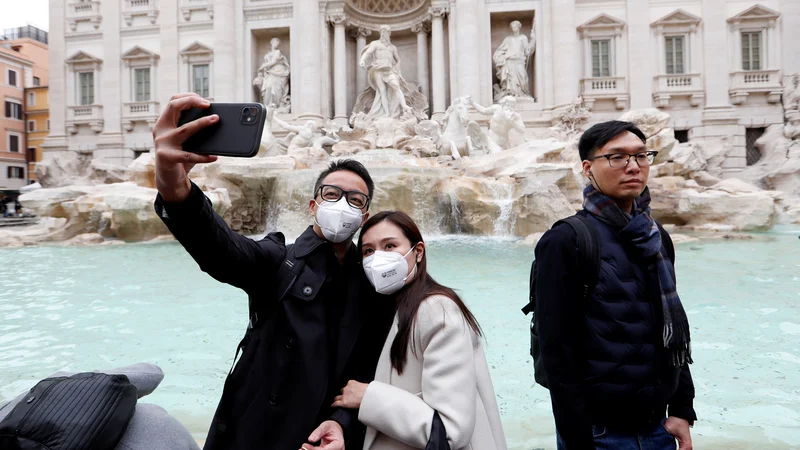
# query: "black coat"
603, 357
304, 349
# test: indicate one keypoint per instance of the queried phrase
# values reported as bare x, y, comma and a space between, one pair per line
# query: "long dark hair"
412, 295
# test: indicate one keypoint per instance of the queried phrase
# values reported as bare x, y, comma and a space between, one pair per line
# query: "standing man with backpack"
315, 320
613, 337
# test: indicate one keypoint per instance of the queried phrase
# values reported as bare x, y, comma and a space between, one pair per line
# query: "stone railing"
679, 83
604, 85
139, 112
91, 115
614, 88
747, 82
83, 11
189, 6
135, 8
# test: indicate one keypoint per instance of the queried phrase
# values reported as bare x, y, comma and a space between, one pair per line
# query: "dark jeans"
652, 438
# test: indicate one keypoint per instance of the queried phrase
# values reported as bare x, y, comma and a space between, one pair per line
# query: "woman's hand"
351, 396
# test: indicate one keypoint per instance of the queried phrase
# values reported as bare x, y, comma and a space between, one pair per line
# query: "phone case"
237, 133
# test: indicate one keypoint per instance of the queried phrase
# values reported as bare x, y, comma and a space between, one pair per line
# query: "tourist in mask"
314, 317
432, 362
615, 351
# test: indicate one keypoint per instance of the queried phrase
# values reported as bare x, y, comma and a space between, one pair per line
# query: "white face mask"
338, 220
387, 271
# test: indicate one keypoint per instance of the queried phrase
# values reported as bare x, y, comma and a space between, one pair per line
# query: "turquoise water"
86, 308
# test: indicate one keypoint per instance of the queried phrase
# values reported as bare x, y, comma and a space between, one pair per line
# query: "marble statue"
389, 95
511, 62
308, 139
504, 119
460, 136
269, 144
272, 78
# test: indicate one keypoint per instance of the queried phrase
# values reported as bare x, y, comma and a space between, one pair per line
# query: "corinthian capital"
421, 27
360, 32
337, 19
438, 12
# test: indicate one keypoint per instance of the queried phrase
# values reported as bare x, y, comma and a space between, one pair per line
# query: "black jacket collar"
309, 241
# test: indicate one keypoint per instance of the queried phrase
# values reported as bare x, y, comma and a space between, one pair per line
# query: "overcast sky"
17, 13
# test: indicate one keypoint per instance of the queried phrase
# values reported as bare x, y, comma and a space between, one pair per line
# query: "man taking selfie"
314, 317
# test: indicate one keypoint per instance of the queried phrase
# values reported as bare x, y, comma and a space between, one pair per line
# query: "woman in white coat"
432, 360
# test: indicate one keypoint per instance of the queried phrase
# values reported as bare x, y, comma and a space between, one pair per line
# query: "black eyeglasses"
620, 160
331, 193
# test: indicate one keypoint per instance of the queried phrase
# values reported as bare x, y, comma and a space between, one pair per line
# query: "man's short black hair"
598, 135
349, 165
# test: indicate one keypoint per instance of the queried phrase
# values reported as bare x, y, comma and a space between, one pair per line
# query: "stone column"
108, 89
437, 60
790, 17
224, 67
173, 78
422, 29
57, 92
467, 33
640, 85
339, 70
720, 119
360, 34
772, 47
305, 40
566, 80
545, 61
716, 65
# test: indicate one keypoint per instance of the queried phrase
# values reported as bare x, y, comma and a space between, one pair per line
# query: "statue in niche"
511, 62
504, 119
389, 95
272, 78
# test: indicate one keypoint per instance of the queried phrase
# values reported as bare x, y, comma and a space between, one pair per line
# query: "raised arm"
488, 110
287, 126
187, 212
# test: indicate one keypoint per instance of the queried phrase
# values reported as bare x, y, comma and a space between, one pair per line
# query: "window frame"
750, 47
9, 71
683, 51
31, 126
80, 93
147, 94
10, 169
600, 55
207, 79
8, 112
17, 135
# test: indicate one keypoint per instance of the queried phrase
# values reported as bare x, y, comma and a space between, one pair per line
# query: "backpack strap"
588, 245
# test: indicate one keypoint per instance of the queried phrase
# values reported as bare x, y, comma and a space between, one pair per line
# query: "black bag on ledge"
87, 411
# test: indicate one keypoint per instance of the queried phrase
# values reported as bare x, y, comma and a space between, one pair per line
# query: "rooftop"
28, 31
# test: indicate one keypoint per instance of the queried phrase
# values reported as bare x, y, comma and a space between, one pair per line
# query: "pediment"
82, 57
603, 21
677, 17
196, 48
756, 12
139, 53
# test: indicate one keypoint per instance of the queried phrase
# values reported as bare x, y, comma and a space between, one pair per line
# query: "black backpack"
86, 411
588, 245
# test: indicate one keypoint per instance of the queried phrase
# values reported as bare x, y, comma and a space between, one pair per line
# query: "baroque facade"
718, 67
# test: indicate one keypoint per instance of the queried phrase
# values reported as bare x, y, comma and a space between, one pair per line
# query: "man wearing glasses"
615, 354
315, 321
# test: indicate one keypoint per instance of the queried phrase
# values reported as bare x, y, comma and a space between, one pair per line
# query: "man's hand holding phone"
172, 162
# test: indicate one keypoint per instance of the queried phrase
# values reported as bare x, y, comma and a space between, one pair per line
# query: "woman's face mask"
388, 271
338, 220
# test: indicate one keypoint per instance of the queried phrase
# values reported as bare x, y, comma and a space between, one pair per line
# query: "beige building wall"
14, 69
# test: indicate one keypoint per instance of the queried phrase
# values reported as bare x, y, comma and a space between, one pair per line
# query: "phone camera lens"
246, 111
253, 111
